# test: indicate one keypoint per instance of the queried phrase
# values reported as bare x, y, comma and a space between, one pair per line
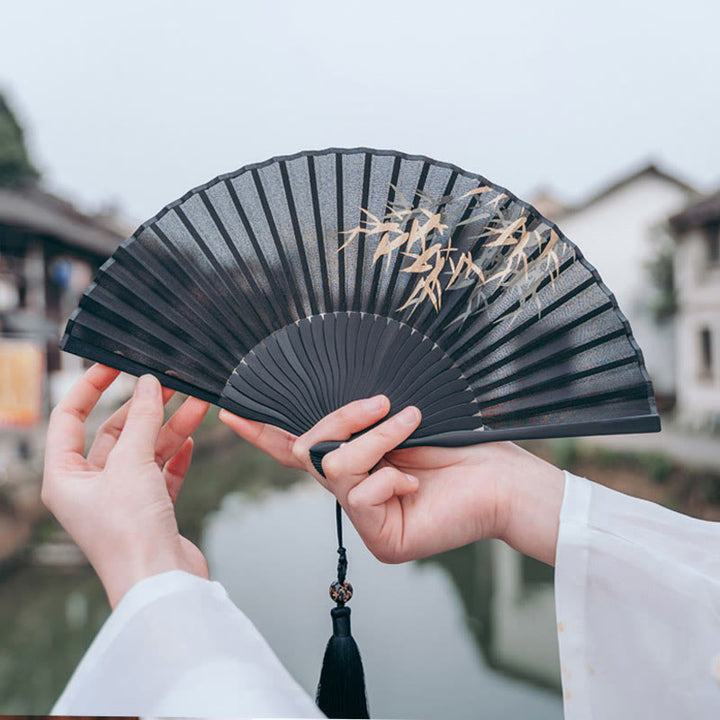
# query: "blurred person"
637, 586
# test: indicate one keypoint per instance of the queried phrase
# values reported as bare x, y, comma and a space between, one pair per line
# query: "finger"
66, 430
176, 468
350, 463
271, 440
144, 420
109, 432
341, 425
178, 428
377, 512
379, 487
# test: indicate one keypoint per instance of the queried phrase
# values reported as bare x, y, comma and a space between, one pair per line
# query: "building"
621, 230
697, 281
49, 253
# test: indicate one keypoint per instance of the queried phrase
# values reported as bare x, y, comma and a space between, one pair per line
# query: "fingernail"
408, 416
147, 387
413, 480
375, 403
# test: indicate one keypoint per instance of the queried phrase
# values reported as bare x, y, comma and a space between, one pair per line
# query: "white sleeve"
177, 646
637, 590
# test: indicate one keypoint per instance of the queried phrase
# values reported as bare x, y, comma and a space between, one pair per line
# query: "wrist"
120, 571
533, 491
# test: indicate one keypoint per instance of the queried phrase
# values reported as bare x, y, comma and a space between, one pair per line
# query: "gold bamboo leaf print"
512, 249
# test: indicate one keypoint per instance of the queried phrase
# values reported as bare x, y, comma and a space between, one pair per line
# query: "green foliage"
656, 465
15, 166
565, 453
607, 458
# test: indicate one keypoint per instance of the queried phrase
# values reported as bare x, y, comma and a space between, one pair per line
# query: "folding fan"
289, 288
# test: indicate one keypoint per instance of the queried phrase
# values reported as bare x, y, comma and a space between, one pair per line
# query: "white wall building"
619, 230
697, 282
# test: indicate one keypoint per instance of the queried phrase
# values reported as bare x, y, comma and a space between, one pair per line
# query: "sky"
130, 104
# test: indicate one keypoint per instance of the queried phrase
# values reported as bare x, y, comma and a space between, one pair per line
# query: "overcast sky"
135, 102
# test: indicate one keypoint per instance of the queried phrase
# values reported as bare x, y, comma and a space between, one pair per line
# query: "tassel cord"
341, 551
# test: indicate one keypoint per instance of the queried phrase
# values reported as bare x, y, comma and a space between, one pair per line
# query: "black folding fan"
289, 288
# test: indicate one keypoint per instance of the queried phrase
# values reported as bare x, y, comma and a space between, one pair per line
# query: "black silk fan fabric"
286, 289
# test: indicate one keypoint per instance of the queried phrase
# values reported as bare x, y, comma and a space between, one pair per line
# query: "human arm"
175, 644
416, 502
637, 591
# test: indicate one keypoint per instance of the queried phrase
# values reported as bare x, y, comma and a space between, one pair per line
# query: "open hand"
117, 504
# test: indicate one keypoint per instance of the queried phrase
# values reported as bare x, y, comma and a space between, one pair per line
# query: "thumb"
144, 420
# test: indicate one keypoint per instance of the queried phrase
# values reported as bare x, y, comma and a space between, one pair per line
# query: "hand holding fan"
290, 288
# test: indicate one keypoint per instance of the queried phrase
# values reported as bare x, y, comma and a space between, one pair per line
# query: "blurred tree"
15, 166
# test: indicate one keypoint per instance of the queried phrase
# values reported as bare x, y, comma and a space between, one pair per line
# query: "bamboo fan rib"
289, 288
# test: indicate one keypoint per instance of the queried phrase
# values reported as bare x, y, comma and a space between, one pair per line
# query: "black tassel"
341, 690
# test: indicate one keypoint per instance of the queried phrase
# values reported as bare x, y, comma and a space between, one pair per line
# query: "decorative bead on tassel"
341, 690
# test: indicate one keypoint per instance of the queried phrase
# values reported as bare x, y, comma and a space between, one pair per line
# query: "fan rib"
607, 426
306, 335
448, 419
298, 238
544, 362
478, 332
281, 288
340, 341
95, 352
548, 361
286, 267
277, 368
461, 297
130, 321
395, 273
294, 340
139, 265
408, 288
375, 285
553, 384
362, 222
422, 372
222, 275
265, 382
353, 357
541, 340
320, 235
340, 209
197, 280
95, 328
294, 369
117, 283
410, 358
534, 319
445, 311
242, 265
632, 392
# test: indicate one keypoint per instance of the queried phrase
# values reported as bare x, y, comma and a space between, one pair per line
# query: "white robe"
637, 592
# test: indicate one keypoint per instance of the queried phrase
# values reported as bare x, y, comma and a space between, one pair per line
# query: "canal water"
468, 634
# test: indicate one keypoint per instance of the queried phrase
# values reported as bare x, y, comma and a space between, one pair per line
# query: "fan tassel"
341, 690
